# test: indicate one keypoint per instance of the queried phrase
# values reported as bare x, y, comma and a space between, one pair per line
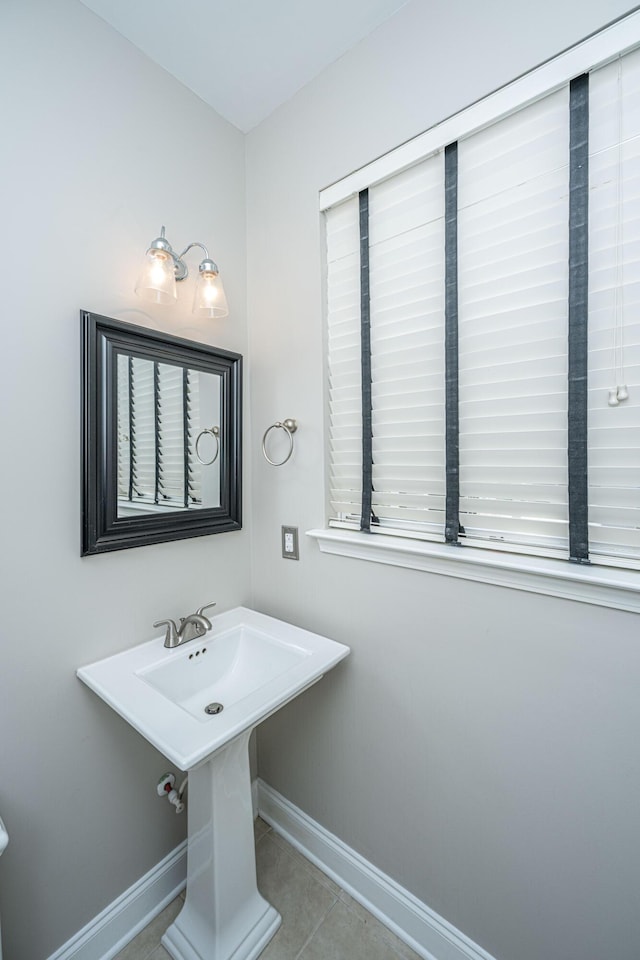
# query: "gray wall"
99, 148
486, 759
480, 744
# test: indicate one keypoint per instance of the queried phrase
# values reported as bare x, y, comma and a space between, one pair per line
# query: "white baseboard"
109, 933
427, 933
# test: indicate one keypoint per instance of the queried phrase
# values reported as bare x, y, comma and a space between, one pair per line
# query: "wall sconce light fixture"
163, 269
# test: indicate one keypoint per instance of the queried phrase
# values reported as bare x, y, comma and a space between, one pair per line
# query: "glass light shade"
210, 299
157, 282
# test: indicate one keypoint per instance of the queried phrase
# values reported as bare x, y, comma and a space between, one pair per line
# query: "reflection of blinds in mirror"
124, 446
143, 429
158, 423
194, 466
170, 433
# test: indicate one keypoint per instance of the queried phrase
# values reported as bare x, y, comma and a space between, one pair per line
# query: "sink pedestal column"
224, 916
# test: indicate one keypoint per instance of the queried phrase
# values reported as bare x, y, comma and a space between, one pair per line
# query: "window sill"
603, 586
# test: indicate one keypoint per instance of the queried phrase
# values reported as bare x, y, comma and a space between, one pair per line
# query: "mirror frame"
102, 529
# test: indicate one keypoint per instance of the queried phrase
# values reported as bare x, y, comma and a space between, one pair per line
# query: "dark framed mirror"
161, 437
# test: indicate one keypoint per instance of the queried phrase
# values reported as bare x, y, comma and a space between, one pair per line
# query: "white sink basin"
229, 669
250, 663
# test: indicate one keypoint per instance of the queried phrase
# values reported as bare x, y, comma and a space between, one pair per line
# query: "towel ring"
215, 432
289, 426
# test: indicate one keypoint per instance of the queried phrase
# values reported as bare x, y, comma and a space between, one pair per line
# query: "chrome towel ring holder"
289, 426
215, 433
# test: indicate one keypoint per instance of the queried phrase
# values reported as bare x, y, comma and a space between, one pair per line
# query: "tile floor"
319, 920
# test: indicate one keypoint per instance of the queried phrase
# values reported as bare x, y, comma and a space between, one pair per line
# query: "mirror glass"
161, 437
168, 444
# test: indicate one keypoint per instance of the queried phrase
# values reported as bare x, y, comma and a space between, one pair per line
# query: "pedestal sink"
197, 704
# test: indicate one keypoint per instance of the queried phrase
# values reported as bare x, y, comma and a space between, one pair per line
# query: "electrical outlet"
290, 543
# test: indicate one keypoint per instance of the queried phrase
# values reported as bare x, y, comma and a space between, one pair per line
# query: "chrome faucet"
191, 627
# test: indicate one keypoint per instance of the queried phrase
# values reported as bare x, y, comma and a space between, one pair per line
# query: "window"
483, 324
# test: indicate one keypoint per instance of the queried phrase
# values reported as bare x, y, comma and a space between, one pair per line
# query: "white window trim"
602, 586
595, 51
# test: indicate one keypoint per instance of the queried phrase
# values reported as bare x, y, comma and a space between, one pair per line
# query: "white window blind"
614, 309
513, 196
517, 327
406, 251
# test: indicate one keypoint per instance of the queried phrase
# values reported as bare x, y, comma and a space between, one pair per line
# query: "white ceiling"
244, 57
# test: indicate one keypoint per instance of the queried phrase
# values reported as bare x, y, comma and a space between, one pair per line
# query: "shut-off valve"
167, 788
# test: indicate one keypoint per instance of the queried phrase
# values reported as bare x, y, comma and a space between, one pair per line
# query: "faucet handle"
201, 610
171, 638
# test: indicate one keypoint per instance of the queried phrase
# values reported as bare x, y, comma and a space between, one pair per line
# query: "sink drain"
213, 708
